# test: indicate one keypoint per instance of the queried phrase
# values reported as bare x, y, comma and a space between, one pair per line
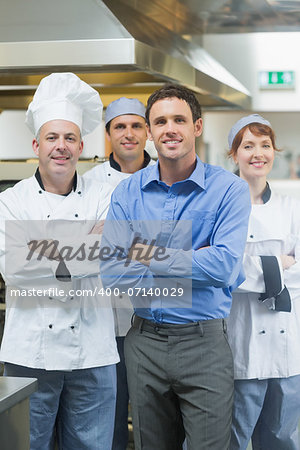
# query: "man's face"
128, 136
172, 129
59, 147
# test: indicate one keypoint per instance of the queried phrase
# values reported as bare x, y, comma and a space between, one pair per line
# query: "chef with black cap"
59, 324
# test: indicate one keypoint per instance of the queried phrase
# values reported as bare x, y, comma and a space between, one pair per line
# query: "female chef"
264, 323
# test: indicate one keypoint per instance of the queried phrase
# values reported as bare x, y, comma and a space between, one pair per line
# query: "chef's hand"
98, 227
45, 247
287, 261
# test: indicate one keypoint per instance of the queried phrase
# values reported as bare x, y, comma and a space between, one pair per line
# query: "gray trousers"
180, 380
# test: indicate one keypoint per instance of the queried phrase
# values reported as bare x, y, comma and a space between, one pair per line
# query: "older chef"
264, 323
59, 324
126, 130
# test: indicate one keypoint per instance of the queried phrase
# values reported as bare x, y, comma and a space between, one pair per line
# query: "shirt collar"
113, 163
197, 176
266, 194
39, 180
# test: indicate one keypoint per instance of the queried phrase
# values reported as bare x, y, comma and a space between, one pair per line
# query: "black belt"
170, 329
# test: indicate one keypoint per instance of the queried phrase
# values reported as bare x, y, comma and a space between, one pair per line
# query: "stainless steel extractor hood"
118, 46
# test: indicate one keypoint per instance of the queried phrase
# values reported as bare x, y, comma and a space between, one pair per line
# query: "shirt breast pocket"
196, 228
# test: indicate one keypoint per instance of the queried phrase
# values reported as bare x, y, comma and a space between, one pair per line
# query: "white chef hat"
64, 96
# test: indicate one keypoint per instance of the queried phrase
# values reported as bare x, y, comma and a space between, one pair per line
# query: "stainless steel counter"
14, 412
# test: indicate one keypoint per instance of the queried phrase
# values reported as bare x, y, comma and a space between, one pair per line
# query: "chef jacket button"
72, 327
50, 326
79, 192
108, 174
251, 236
48, 216
71, 298
76, 215
50, 298
281, 331
40, 192
120, 296
262, 332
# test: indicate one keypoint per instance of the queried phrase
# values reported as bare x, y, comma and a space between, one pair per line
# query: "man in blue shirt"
174, 240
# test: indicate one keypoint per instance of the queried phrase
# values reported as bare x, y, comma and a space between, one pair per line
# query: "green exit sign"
277, 80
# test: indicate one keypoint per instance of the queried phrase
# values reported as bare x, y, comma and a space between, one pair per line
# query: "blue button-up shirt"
202, 221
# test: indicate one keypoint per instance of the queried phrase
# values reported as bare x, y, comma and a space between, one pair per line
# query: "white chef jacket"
71, 326
122, 305
266, 343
